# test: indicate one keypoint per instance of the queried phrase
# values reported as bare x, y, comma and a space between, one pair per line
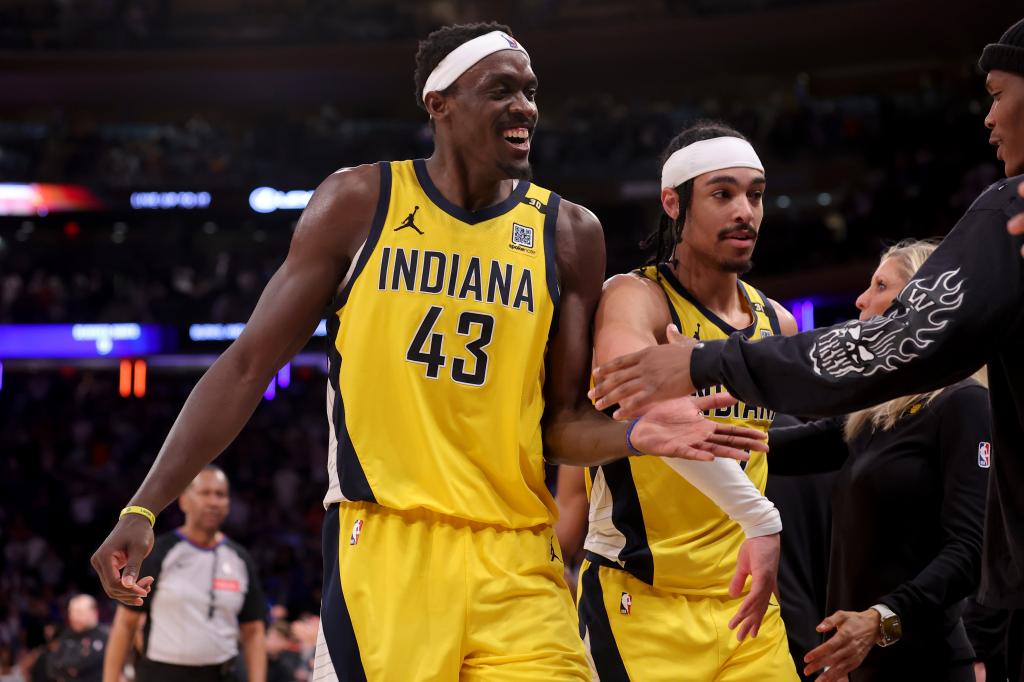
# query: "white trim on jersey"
603, 537
323, 666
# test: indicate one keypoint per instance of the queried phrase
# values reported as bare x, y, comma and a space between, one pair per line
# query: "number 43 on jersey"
427, 347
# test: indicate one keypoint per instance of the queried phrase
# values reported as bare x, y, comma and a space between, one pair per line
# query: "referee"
206, 598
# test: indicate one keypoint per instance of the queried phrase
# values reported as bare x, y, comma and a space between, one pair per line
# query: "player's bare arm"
575, 433
326, 239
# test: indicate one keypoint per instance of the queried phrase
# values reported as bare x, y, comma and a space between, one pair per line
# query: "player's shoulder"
787, 323
632, 284
349, 182
631, 296
579, 220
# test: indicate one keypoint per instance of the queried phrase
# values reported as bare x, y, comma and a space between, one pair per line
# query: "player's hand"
856, 633
759, 558
1016, 224
635, 381
118, 559
678, 428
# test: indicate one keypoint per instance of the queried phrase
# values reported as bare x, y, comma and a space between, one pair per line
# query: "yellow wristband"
141, 511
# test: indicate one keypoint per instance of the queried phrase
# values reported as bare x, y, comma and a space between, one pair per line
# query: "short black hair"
440, 43
663, 241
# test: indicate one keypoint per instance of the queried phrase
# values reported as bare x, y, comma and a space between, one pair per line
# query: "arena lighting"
42, 199
79, 340
271, 391
215, 331
124, 384
284, 375
139, 385
803, 311
268, 199
168, 200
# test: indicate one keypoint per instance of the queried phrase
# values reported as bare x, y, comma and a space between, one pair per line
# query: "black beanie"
1007, 54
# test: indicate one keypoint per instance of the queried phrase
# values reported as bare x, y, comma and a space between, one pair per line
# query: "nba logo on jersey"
357, 529
626, 604
984, 455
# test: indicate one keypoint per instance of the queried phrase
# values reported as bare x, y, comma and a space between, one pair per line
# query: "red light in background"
71, 229
140, 378
125, 383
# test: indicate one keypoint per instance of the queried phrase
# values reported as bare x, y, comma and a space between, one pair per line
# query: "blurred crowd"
844, 174
73, 452
148, 24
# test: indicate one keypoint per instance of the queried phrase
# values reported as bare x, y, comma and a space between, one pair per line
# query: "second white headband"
462, 58
706, 156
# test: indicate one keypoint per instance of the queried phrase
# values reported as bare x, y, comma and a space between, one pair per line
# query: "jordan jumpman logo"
409, 222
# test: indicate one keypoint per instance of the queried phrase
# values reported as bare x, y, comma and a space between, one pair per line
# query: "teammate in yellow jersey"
663, 592
460, 298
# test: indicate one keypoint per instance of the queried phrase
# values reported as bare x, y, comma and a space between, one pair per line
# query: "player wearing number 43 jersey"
460, 297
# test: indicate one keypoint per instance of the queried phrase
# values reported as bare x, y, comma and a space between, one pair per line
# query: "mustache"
517, 122
746, 230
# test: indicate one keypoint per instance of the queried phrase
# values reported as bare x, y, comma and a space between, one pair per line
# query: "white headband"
706, 156
459, 60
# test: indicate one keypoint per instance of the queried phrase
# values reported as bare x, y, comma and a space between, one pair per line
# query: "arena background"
154, 155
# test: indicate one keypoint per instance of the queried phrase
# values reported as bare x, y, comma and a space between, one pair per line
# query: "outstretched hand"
118, 559
637, 380
678, 428
856, 633
759, 559
1016, 224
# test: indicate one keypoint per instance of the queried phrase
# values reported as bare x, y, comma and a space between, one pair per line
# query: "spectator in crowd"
77, 655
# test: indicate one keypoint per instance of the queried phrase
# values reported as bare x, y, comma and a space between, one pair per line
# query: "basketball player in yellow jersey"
460, 298
670, 546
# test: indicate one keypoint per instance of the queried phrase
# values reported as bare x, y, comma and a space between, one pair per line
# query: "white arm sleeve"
724, 483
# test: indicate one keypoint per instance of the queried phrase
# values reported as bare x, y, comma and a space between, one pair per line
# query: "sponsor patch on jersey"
626, 604
522, 238
984, 455
357, 530
227, 585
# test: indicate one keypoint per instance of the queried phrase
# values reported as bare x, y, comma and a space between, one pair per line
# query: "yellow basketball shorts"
411, 596
635, 632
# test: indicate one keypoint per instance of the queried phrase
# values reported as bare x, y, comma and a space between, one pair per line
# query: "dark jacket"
962, 310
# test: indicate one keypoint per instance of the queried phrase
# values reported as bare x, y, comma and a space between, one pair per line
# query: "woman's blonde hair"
910, 255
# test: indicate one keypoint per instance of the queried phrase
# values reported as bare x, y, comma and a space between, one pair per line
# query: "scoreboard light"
268, 199
80, 340
215, 331
169, 200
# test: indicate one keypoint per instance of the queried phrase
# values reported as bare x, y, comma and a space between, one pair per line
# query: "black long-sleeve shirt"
963, 309
907, 509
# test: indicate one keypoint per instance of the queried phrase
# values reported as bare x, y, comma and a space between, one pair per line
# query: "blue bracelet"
629, 439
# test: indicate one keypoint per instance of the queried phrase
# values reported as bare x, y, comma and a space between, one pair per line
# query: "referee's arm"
119, 643
252, 635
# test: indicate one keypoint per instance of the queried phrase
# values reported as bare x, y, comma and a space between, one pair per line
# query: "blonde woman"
907, 507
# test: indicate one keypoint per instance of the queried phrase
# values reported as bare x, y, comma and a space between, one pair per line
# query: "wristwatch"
889, 628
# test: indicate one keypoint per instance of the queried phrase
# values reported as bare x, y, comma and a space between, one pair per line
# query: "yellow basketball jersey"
649, 520
437, 350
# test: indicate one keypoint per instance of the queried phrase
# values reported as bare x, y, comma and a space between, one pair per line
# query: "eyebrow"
730, 180
506, 78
